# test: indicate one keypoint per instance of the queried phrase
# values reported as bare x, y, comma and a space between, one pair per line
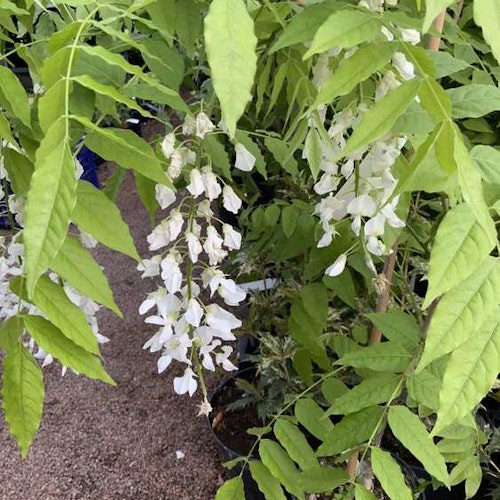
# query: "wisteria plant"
351, 145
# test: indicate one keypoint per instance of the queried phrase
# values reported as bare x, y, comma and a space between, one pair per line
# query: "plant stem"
435, 40
385, 291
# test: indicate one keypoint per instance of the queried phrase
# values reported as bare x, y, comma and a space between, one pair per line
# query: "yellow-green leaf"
76, 265
389, 474
380, 119
111, 230
470, 373
22, 394
412, 434
51, 198
351, 71
13, 96
267, 483
345, 29
230, 45
487, 16
455, 319
460, 246
51, 340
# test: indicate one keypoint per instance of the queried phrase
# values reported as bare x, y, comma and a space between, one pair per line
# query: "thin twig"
384, 294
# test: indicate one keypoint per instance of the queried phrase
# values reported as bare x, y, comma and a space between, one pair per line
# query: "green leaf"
53, 341
106, 90
232, 489
313, 151
146, 189
10, 331
414, 121
308, 320
280, 465
344, 29
312, 417
397, 326
188, 24
5, 132
372, 391
125, 148
352, 71
474, 100
231, 56
53, 302
435, 100
322, 479
76, 265
50, 202
20, 170
155, 91
361, 493
383, 357
282, 154
487, 159
52, 105
22, 394
303, 25
470, 373
111, 230
469, 180
13, 96
424, 387
295, 443
289, 220
267, 483
445, 63
454, 320
380, 119
413, 435
389, 474
487, 16
351, 431
460, 246
432, 9
218, 154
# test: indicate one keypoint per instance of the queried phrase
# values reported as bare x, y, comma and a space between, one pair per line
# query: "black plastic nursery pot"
220, 396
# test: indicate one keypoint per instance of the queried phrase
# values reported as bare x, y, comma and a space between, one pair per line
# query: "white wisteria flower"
211, 185
186, 383
171, 273
176, 347
150, 267
196, 185
164, 196
194, 313
168, 145
230, 201
338, 266
203, 125
245, 160
410, 35
404, 67
194, 247
232, 239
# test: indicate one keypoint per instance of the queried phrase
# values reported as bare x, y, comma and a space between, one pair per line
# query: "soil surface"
101, 442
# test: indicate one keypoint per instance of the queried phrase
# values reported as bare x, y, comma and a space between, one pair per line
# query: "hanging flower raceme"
192, 243
361, 186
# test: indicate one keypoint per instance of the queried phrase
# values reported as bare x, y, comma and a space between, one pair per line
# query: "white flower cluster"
362, 186
193, 242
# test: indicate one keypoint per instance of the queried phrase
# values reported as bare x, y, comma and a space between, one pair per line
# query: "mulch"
101, 442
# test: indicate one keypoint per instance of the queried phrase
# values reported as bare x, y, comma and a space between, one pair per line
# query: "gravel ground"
101, 442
